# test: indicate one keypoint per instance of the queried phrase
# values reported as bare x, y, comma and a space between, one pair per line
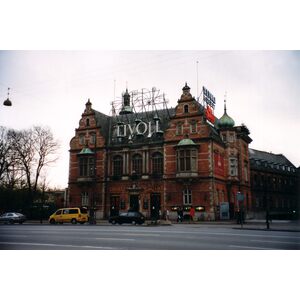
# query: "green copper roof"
86, 151
225, 121
186, 142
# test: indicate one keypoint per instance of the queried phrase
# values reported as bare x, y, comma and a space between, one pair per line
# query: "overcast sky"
51, 88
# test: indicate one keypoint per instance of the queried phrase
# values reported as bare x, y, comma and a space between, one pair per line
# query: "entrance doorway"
114, 205
154, 206
134, 203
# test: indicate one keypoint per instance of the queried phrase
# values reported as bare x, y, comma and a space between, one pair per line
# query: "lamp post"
7, 102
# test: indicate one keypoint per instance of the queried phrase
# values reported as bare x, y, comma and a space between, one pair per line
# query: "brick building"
274, 185
159, 160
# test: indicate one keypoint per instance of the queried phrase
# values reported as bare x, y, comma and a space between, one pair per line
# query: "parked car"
12, 217
73, 215
131, 217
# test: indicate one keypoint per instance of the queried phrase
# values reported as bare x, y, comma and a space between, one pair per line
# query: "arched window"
118, 165
157, 163
87, 122
137, 162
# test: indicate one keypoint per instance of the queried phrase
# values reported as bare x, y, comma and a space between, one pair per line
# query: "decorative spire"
88, 106
225, 121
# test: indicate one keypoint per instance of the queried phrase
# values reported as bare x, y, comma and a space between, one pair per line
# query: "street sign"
240, 196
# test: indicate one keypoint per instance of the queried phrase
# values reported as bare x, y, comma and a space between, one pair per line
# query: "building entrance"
134, 203
114, 205
154, 206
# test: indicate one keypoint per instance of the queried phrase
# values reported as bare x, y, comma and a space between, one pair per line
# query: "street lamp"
7, 102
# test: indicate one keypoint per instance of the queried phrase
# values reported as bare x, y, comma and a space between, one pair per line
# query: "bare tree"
45, 150
10, 174
36, 149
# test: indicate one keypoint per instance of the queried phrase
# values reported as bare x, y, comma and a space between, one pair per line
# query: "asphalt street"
130, 237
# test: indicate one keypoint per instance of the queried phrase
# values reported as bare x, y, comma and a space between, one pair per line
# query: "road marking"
248, 247
115, 239
59, 245
141, 234
275, 242
13, 235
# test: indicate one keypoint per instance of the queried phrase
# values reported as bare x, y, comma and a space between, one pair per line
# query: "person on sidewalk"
179, 215
192, 214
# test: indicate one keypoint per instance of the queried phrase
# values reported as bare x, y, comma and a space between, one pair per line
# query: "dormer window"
179, 129
81, 139
186, 109
87, 122
193, 127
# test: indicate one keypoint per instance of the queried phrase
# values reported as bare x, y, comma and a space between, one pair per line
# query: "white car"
12, 217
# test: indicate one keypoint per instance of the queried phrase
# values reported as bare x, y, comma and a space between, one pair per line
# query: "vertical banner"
219, 164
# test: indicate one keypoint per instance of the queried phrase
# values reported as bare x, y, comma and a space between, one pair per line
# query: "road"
130, 237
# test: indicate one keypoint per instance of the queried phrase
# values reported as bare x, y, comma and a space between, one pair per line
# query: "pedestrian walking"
179, 215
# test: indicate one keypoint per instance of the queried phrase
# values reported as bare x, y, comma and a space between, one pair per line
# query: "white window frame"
187, 197
84, 198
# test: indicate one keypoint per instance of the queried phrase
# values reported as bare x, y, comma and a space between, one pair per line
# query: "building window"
186, 109
224, 137
86, 166
81, 139
186, 160
93, 138
231, 138
118, 165
137, 164
246, 171
187, 197
84, 199
233, 166
179, 129
87, 122
157, 163
193, 127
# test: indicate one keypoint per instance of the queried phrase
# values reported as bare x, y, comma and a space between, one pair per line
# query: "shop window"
137, 164
86, 166
186, 160
118, 165
187, 197
157, 163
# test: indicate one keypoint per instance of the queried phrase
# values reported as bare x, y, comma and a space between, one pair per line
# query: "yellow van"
73, 215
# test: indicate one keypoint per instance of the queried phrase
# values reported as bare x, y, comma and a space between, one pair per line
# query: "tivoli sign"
141, 128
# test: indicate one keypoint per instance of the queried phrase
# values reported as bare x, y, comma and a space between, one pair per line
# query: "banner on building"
219, 164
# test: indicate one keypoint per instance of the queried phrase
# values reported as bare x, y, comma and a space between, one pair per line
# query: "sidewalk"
275, 225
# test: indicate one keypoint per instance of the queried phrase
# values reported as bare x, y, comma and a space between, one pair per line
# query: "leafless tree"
36, 149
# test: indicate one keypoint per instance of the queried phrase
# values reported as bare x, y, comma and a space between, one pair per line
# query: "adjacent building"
274, 185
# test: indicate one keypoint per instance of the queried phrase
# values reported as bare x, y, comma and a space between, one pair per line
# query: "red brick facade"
204, 166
